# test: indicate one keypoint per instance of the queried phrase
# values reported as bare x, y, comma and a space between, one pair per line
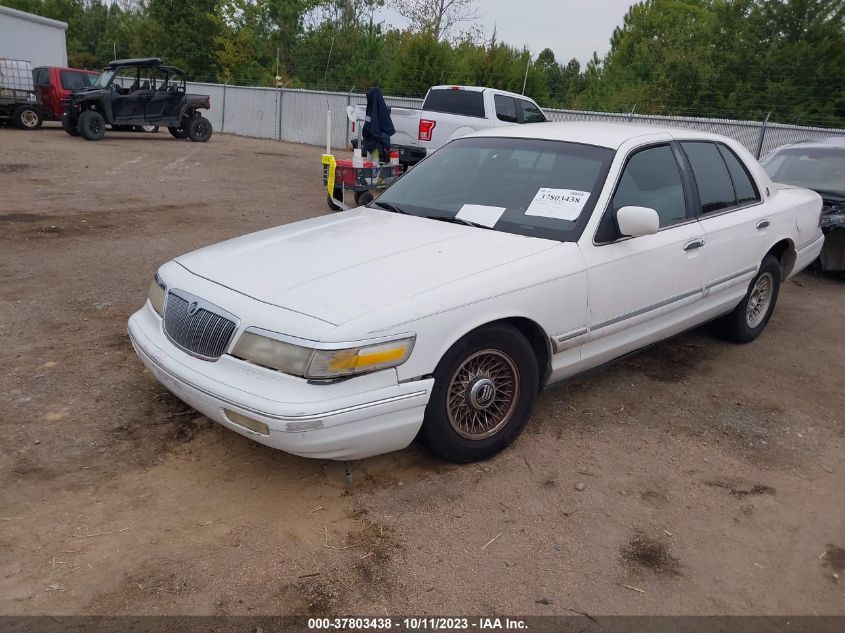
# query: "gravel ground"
699, 477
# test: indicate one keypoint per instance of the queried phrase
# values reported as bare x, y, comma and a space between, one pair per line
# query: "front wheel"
91, 125
27, 117
484, 391
749, 318
199, 129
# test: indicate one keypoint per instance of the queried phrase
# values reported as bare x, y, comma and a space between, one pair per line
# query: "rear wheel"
69, 125
363, 198
91, 125
27, 117
199, 129
484, 391
178, 132
749, 318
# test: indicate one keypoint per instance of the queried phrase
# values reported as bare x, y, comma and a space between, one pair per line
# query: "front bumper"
407, 155
350, 419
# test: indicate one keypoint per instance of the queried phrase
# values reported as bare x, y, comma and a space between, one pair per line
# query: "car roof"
611, 135
820, 143
481, 89
76, 70
137, 61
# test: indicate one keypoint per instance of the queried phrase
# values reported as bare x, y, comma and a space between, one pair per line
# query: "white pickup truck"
452, 111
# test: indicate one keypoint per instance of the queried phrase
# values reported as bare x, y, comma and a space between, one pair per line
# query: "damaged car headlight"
269, 352
321, 362
156, 294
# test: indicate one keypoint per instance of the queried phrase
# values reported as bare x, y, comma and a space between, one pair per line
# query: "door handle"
693, 244
762, 224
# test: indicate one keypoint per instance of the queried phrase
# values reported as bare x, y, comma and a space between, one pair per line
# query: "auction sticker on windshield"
562, 204
480, 214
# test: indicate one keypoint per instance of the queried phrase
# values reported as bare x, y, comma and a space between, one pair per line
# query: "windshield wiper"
390, 207
456, 220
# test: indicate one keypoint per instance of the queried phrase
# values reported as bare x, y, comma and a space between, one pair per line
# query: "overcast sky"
571, 28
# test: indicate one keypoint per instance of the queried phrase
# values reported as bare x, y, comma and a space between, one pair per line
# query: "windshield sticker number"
480, 214
561, 204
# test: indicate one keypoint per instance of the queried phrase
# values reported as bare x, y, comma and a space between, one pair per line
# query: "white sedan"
508, 260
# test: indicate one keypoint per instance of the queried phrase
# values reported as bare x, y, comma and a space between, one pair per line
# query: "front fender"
102, 106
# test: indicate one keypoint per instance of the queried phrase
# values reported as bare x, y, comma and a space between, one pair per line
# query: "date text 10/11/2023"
417, 623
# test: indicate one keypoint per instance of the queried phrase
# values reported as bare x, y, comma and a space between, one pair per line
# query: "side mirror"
637, 221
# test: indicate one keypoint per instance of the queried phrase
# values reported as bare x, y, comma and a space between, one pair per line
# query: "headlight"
263, 350
319, 362
356, 360
156, 295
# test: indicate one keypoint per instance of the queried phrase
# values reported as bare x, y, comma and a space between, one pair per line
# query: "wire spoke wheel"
482, 394
759, 300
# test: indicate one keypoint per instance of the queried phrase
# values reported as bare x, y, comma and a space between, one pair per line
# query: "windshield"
819, 168
531, 187
104, 79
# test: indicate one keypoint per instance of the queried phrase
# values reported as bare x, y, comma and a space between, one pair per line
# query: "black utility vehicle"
137, 92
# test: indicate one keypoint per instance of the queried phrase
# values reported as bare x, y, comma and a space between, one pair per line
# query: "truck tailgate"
405, 120
407, 124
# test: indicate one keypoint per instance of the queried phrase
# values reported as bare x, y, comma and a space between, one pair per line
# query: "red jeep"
52, 84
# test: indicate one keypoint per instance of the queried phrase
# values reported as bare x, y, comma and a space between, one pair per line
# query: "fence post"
281, 99
631, 115
223, 114
348, 103
762, 135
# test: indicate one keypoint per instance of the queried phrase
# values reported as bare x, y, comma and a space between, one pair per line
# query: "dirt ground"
713, 475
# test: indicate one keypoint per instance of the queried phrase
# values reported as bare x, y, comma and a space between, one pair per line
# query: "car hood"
341, 266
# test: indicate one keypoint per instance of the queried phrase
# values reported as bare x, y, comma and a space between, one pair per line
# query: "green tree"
184, 33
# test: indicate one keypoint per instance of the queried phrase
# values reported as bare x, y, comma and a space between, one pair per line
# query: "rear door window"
530, 112
505, 108
455, 101
746, 191
41, 76
715, 188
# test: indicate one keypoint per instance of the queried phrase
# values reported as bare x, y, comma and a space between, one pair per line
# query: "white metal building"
32, 38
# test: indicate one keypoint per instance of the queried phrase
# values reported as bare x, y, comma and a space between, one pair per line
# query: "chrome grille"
205, 333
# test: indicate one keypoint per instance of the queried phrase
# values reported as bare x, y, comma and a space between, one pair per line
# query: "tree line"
719, 58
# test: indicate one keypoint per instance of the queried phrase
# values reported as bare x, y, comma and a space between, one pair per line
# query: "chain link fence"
299, 116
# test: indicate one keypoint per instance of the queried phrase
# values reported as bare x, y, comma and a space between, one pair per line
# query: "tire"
331, 203
199, 129
363, 198
148, 129
91, 125
69, 125
178, 132
749, 318
27, 117
477, 422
